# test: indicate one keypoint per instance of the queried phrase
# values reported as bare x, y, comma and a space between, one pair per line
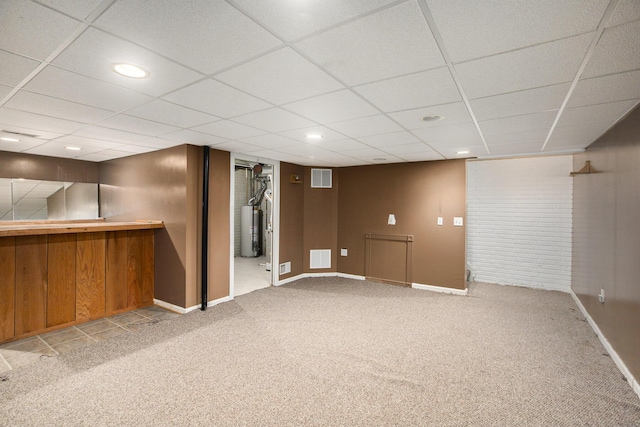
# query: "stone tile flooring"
28, 350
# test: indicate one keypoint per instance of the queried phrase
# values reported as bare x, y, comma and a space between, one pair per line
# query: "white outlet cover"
343, 252
457, 221
440, 220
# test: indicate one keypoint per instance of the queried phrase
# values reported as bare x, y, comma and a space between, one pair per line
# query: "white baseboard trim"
616, 358
330, 274
182, 310
439, 289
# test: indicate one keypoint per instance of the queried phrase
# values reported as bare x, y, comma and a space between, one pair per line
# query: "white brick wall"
519, 221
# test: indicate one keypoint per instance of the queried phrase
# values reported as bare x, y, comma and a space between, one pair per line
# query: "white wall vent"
320, 258
285, 268
320, 178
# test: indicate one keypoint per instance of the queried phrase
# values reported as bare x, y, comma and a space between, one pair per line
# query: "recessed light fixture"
432, 118
73, 148
313, 136
130, 70
462, 152
4, 138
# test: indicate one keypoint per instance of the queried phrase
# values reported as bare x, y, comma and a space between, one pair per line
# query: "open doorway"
254, 224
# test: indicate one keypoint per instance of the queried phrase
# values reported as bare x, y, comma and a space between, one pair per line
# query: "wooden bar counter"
58, 274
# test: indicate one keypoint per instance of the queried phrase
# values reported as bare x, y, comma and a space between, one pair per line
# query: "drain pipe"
205, 228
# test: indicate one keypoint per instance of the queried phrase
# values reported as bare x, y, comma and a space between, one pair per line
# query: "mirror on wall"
31, 200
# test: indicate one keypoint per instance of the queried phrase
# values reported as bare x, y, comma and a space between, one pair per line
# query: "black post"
205, 228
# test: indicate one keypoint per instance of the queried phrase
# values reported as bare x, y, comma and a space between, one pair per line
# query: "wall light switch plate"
440, 220
343, 252
457, 221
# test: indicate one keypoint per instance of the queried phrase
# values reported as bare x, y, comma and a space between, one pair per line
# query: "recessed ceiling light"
4, 138
130, 70
432, 118
462, 152
313, 136
73, 148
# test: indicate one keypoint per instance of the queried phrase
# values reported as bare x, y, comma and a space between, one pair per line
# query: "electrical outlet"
601, 296
440, 220
457, 221
343, 252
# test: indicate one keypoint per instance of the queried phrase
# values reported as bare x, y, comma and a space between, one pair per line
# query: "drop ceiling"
508, 77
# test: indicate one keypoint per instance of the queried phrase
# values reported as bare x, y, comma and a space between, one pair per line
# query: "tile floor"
28, 350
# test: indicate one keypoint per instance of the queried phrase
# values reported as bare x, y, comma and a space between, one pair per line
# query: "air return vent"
320, 258
320, 178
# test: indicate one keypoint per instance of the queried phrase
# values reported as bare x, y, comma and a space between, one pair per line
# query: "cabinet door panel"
7, 286
90, 276
31, 283
61, 283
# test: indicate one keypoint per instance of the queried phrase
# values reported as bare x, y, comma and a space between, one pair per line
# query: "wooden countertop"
30, 229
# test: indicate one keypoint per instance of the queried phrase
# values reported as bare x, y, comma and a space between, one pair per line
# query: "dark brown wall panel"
292, 218
29, 166
606, 237
154, 186
416, 193
320, 220
219, 223
61, 285
7, 286
117, 275
90, 275
31, 283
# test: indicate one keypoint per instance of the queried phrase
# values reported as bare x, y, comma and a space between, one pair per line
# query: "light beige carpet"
339, 352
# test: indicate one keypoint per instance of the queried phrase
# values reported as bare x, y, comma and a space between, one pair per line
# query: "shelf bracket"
585, 169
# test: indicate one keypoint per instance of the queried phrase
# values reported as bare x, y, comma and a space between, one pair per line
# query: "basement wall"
30, 166
606, 243
519, 221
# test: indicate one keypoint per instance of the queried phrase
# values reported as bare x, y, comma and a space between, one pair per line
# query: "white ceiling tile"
626, 11
157, 143
540, 65
455, 113
104, 155
9, 117
525, 122
79, 9
207, 36
280, 77
32, 30
234, 146
292, 20
107, 134
425, 156
24, 144
389, 139
342, 145
191, 137
382, 50
216, 98
40, 134
618, 50
600, 90
4, 91
63, 84
15, 68
574, 136
463, 132
274, 120
450, 151
416, 90
366, 126
81, 141
535, 136
135, 149
606, 114
528, 101
300, 134
54, 107
270, 141
94, 53
366, 153
333, 107
171, 114
517, 148
57, 149
486, 27
399, 150
228, 129
136, 125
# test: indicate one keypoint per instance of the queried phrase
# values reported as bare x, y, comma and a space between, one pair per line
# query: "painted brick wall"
519, 215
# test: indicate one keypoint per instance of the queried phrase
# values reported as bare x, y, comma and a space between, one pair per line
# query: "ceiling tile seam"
606, 17
445, 54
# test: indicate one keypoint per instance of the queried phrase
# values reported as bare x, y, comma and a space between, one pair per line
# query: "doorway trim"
275, 247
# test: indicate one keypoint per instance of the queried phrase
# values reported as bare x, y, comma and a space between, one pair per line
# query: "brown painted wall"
29, 166
320, 221
154, 186
606, 237
416, 193
219, 224
292, 218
